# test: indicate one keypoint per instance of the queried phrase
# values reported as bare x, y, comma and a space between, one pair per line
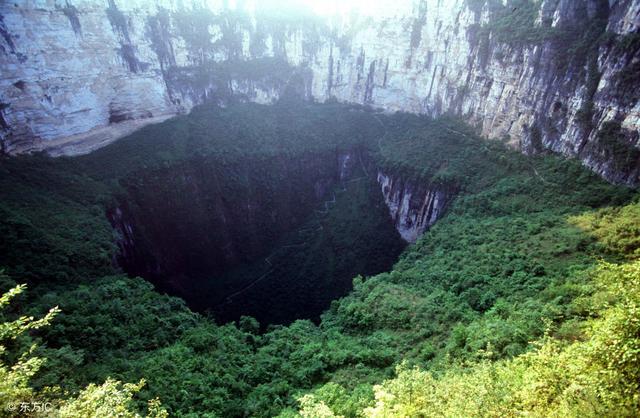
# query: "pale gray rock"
413, 207
72, 68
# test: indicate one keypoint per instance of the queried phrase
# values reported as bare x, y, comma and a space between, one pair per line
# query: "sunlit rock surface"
69, 69
413, 207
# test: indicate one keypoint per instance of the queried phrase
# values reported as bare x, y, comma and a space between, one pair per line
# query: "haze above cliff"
555, 75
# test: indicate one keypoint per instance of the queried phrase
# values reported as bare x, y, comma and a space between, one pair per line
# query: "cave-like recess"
263, 211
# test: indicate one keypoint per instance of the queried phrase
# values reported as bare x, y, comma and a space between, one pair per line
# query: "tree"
14, 379
111, 399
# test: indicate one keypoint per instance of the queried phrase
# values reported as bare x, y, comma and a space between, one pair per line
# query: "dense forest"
524, 299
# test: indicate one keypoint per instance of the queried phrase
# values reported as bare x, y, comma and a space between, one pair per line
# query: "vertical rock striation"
413, 207
559, 75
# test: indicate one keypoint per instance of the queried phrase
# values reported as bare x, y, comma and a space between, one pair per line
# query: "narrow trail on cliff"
229, 299
545, 181
533, 168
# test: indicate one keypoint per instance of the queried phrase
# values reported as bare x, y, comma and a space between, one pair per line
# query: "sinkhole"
272, 217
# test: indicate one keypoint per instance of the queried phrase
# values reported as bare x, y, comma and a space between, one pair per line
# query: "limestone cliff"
413, 206
560, 75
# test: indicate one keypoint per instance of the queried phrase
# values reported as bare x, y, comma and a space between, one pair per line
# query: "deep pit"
273, 223
277, 239
242, 209
270, 212
485, 132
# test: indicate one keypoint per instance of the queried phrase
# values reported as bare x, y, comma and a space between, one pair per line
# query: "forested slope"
450, 330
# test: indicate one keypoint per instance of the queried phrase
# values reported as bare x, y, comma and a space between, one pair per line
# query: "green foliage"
97, 324
614, 145
463, 304
310, 408
53, 223
232, 134
503, 258
616, 228
15, 376
347, 403
315, 264
442, 151
627, 48
111, 399
515, 24
594, 377
572, 45
217, 76
12, 330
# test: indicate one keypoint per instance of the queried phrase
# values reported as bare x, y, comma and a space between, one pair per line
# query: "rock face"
560, 75
412, 206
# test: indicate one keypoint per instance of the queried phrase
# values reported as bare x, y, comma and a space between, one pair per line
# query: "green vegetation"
628, 47
217, 76
313, 265
572, 45
53, 223
194, 27
450, 330
111, 399
595, 377
231, 134
514, 23
616, 229
613, 145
